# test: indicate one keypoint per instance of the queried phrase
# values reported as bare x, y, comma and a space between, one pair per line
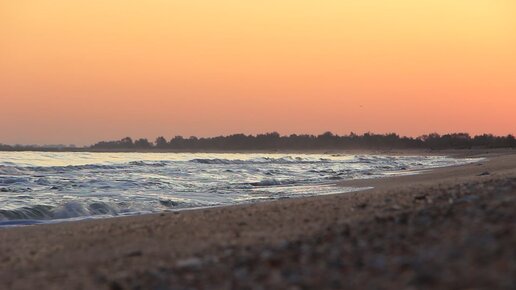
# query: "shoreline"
202, 247
361, 185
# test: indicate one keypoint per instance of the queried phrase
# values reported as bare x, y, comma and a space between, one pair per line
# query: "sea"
49, 187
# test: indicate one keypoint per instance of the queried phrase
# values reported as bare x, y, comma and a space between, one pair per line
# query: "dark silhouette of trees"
124, 143
455, 141
142, 143
274, 141
327, 140
161, 142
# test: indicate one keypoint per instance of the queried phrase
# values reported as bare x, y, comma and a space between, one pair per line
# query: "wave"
9, 170
19, 223
32, 191
262, 160
216, 161
32, 212
270, 182
67, 210
283, 182
12, 180
21, 170
75, 209
148, 163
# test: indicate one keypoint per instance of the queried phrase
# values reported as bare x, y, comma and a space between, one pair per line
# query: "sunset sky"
87, 70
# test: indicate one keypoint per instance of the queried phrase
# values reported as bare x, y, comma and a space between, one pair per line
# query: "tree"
142, 143
126, 142
161, 142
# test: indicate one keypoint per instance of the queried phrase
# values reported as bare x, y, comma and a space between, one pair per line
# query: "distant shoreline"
274, 142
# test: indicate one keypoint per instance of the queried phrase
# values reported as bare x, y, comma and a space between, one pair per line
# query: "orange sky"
85, 70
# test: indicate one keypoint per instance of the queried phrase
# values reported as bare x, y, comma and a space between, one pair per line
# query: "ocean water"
43, 187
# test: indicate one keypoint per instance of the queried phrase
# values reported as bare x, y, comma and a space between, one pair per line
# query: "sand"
449, 228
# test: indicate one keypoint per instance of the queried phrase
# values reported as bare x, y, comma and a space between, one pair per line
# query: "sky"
88, 70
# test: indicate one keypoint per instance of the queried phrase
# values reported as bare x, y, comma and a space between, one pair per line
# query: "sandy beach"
448, 228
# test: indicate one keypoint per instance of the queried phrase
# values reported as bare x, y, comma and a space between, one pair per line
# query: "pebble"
189, 263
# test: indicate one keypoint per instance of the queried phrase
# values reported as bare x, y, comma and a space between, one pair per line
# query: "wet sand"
449, 228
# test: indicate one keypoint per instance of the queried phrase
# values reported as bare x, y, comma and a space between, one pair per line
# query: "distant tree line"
57, 148
328, 140
274, 141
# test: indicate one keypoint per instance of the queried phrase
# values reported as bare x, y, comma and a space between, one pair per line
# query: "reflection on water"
42, 186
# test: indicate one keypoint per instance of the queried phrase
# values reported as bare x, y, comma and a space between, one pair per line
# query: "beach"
446, 228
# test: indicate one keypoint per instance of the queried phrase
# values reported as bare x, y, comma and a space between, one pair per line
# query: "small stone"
420, 196
115, 286
468, 198
362, 205
189, 263
395, 207
134, 253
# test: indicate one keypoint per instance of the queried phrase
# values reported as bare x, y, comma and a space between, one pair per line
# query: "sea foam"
48, 187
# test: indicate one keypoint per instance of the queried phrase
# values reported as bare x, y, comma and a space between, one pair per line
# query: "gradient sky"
87, 70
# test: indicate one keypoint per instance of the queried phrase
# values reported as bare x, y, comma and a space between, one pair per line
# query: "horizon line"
186, 137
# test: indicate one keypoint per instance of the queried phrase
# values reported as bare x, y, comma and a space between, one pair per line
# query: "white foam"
54, 186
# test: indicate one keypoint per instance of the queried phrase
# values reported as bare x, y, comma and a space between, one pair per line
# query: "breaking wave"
67, 210
40, 187
283, 160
